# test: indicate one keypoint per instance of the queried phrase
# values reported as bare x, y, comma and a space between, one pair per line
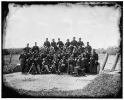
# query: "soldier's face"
27, 45
46, 39
79, 39
35, 44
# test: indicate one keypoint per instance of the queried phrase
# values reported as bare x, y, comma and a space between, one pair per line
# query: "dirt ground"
47, 81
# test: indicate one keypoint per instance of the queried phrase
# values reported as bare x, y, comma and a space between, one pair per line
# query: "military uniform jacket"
94, 56
53, 44
35, 48
80, 43
74, 43
60, 43
89, 48
67, 44
29, 55
47, 44
23, 57
27, 49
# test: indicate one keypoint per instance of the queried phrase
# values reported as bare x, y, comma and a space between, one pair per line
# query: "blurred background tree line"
110, 50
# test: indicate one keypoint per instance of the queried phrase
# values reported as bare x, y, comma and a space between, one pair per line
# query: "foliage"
110, 50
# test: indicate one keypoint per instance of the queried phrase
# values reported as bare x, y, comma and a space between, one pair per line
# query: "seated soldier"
62, 65
86, 61
32, 66
80, 67
71, 63
54, 65
45, 67
39, 63
77, 65
49, 59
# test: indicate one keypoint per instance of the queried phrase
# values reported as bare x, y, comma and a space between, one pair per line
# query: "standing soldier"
29, 56
74, 42
93, 62
80, 43
88, 48
22, 60
27, 48
67, 44
35, 48
53, 44
60, 43
46, 43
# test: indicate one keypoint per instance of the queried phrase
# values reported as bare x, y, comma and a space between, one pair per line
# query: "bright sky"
98, 25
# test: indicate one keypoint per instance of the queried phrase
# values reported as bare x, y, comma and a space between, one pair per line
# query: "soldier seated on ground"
71, 63
54, 65
62, 65
80, 67
39, 63
45, 67
32, 64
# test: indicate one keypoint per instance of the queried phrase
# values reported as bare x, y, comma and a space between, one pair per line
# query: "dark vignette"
8, 92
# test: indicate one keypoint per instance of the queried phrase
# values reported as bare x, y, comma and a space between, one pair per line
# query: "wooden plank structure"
105, 60
115, 61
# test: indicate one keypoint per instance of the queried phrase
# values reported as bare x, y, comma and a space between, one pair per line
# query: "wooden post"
115, 62
104, 63
10, 58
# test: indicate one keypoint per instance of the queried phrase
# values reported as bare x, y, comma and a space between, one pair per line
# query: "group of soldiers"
72, 58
